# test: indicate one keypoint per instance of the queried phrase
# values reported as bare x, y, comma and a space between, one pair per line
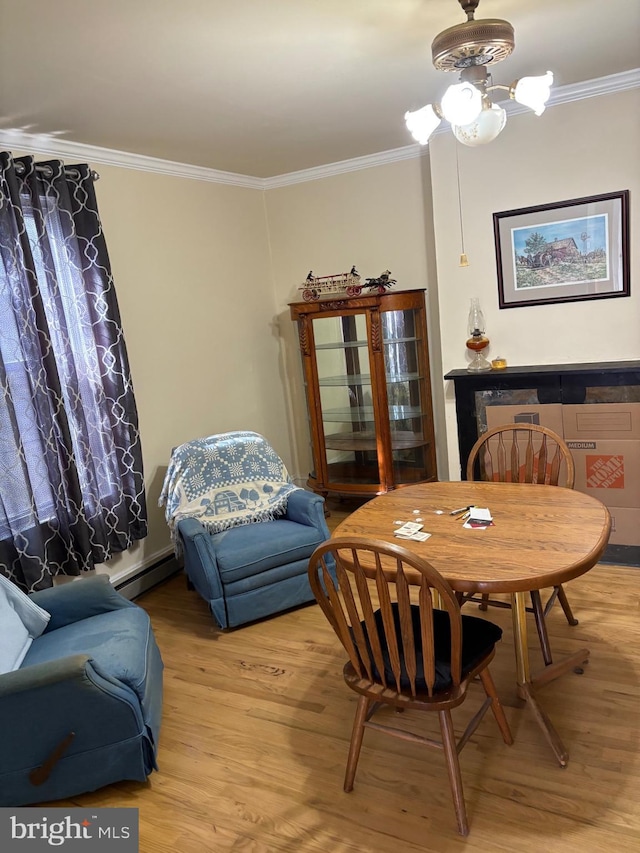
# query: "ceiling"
268, 87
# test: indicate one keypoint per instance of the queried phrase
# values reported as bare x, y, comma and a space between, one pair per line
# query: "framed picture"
563, 252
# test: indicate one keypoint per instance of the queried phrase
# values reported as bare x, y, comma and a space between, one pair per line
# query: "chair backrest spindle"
536, 454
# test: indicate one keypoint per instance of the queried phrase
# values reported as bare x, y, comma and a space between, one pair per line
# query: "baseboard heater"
147, 578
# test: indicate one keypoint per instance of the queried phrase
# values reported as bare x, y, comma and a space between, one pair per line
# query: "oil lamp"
477, 340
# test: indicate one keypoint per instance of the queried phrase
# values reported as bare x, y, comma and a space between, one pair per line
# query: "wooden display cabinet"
366, 372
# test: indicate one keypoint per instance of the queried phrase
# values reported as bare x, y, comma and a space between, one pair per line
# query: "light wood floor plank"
257, 725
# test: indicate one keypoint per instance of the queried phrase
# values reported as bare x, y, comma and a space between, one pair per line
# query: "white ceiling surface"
268, 87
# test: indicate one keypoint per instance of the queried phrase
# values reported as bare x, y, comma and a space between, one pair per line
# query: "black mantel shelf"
557, 369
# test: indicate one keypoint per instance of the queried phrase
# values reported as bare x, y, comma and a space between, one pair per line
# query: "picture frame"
566, 251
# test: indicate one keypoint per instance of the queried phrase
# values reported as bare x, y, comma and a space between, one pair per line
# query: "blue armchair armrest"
73, 676
203, 572
43, 674
307, 508
79, 599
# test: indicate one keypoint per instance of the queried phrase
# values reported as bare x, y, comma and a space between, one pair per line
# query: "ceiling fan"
471, 48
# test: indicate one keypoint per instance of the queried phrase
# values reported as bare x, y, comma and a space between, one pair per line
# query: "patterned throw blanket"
225, 480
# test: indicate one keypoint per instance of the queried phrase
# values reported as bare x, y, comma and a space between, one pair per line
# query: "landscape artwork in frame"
566, 251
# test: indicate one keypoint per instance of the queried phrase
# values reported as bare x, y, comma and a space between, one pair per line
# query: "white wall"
573, 150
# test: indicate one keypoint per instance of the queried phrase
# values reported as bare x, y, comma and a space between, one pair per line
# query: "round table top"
541, 536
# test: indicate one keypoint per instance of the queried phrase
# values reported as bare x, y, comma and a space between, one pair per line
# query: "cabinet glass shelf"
366, 440
343, 344
366, 413
364, 379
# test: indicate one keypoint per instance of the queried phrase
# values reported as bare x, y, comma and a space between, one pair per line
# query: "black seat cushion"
479, 636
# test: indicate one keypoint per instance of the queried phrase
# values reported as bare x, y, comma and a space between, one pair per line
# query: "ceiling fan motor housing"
482, 42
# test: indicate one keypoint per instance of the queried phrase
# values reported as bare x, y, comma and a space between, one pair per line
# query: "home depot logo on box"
604, 472
608, 470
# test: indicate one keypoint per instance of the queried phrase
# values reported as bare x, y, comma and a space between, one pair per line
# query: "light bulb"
461, 103
533, 92
421, 123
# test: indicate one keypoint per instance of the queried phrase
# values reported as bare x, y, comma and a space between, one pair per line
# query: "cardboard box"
602, 421
608, 470
546, 414
625, 525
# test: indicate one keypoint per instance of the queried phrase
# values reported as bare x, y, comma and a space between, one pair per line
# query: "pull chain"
464, 261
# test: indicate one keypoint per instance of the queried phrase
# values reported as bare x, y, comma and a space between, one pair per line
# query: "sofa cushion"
21, 621
253, 548
118, 642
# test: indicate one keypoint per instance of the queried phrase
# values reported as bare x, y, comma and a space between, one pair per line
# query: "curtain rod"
48, 171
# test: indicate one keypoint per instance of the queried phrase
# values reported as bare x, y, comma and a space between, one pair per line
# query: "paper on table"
479, 518
419, 536
408, 529
477, 513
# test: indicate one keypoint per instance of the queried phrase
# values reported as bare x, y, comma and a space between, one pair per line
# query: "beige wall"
376, 219
192, 272
574, 150
204, 274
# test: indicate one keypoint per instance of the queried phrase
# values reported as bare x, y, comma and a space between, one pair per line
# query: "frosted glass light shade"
533, 92
484, 129
421, 123
461, 103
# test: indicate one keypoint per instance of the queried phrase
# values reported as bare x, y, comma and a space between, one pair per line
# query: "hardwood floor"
257, 723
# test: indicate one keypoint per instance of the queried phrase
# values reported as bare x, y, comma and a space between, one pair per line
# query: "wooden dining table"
541, 536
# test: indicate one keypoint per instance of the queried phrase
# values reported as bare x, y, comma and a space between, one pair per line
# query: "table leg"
519, 616
525, 687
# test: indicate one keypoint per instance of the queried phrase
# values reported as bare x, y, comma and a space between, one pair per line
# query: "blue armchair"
83, 709
255, 570
245, 530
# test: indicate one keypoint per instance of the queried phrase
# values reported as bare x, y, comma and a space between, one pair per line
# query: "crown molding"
600, 86
55, 147
44, 144
407, 152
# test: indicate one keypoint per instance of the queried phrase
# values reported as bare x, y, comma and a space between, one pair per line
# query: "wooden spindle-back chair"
403, 651
525, 453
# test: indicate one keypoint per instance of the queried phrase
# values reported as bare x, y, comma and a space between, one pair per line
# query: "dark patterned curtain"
71, 479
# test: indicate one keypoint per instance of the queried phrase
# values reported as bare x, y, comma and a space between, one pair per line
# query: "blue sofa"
83, 709
254, 570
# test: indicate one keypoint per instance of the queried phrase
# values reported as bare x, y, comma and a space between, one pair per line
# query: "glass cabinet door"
409, 395
346, 399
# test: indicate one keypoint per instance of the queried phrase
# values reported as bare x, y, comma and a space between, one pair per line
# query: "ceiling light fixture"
469, 48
